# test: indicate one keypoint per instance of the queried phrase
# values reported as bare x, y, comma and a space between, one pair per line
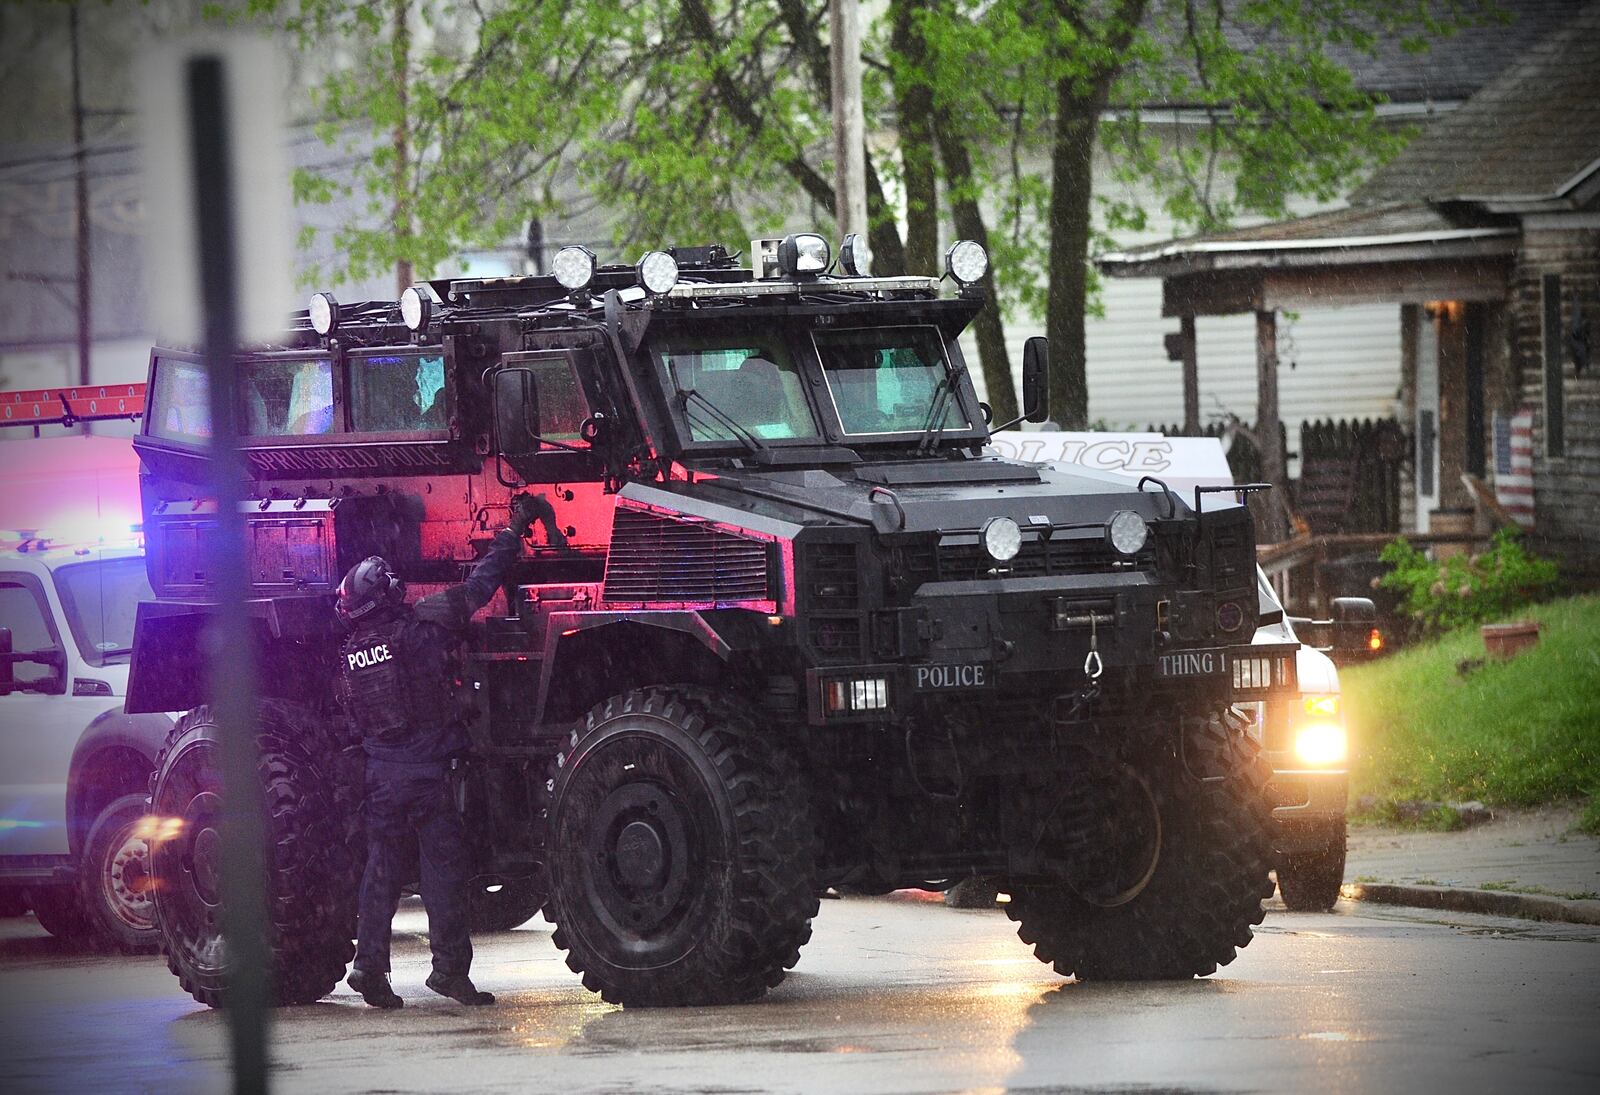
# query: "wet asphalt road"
892, 995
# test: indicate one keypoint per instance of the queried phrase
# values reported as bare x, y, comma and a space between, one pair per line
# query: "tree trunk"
987, 328
1071, 187
913, 100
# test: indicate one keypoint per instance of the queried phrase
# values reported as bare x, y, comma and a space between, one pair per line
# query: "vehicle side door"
39, 724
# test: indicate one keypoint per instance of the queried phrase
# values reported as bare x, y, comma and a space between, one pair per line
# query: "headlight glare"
1002, 539
573, 267
1127, 532
1321, 744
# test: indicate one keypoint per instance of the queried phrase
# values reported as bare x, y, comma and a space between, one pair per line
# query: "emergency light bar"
69, 406
711, 291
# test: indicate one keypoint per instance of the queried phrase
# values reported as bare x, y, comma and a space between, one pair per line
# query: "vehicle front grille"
959, 561
661, 558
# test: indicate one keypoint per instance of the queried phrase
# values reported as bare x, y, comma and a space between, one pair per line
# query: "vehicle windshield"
885, 379
179, 408
397, 391
747, 376
101, 600
285, 397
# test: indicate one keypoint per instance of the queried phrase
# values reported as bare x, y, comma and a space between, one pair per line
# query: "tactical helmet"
370, 590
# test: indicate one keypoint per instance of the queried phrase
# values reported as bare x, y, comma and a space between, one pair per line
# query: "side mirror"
1355, 628
1036, 379
8, 676
516, 413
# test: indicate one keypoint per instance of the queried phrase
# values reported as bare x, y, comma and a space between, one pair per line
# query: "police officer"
396, 665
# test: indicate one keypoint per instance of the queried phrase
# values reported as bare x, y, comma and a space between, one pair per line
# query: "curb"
1488, 902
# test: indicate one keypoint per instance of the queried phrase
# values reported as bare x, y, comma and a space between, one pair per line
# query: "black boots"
374, 989
459, 987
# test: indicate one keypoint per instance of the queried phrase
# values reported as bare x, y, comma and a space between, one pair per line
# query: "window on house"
1555, 425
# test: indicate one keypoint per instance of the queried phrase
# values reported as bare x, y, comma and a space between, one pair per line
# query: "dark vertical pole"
232, 665
1191, 376
1555, 405
80, 160
1477, 463
1269, 435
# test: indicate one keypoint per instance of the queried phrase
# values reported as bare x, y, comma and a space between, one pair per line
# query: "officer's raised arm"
453, 608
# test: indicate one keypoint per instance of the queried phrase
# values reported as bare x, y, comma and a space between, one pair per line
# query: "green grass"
1518, 733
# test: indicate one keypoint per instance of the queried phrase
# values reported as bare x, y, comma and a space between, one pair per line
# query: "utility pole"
849, 123
402, 147
80, 159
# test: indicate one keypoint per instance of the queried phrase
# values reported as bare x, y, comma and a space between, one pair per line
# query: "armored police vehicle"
780, 626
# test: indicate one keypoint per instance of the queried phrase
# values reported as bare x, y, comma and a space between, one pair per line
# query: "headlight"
416, 307
1321, 745
658, 272
966, 261
1002, 539
1127, 532
324, 312
573, 267
855, 255
804, 255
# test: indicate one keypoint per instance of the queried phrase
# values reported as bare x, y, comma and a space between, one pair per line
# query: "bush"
1468, 589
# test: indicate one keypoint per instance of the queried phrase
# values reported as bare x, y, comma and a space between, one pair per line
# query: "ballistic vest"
393, 692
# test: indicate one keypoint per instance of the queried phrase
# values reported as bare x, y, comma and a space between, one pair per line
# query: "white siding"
1335, 363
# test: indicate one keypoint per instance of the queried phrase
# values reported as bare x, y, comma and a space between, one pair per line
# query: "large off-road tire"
115, 885
1194, 906
59, 911
1310, 882
311, 875
683, 852
513, 904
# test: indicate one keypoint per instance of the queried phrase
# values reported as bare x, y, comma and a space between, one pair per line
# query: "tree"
691, 119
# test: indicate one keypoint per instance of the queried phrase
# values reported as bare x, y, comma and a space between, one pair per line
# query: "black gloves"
525, 509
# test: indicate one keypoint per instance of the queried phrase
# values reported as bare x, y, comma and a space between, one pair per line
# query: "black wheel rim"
642, 848
187, 865
1116, 847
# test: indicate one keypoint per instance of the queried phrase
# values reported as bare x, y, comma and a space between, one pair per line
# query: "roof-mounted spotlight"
574, 267
966, 261
855, 255
803, 255
416, 307
658, 272
324, 313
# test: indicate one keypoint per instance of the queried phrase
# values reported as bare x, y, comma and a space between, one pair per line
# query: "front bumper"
1308, 805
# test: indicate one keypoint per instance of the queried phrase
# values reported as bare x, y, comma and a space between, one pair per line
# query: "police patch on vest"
372, 655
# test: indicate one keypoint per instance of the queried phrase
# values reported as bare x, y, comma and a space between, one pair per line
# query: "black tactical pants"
402, 799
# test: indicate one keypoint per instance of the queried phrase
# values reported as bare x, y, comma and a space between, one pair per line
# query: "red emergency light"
69, 406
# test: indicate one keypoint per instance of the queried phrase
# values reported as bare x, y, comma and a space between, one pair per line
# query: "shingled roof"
1531, 134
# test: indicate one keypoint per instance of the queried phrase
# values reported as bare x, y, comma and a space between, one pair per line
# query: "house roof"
1362, 233
1532, 134
1450, 70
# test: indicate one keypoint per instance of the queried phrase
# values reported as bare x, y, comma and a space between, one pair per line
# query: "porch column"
1269, 440
1191, 376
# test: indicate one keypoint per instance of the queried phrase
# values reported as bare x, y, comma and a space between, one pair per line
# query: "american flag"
1513, 464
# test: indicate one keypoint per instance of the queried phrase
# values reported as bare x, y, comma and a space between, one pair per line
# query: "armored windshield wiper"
933, 425
740, 433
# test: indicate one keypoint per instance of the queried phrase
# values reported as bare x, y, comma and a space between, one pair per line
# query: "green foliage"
1468, 589
710, 120
1518, 733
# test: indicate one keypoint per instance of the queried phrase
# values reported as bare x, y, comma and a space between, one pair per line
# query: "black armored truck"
780, 626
